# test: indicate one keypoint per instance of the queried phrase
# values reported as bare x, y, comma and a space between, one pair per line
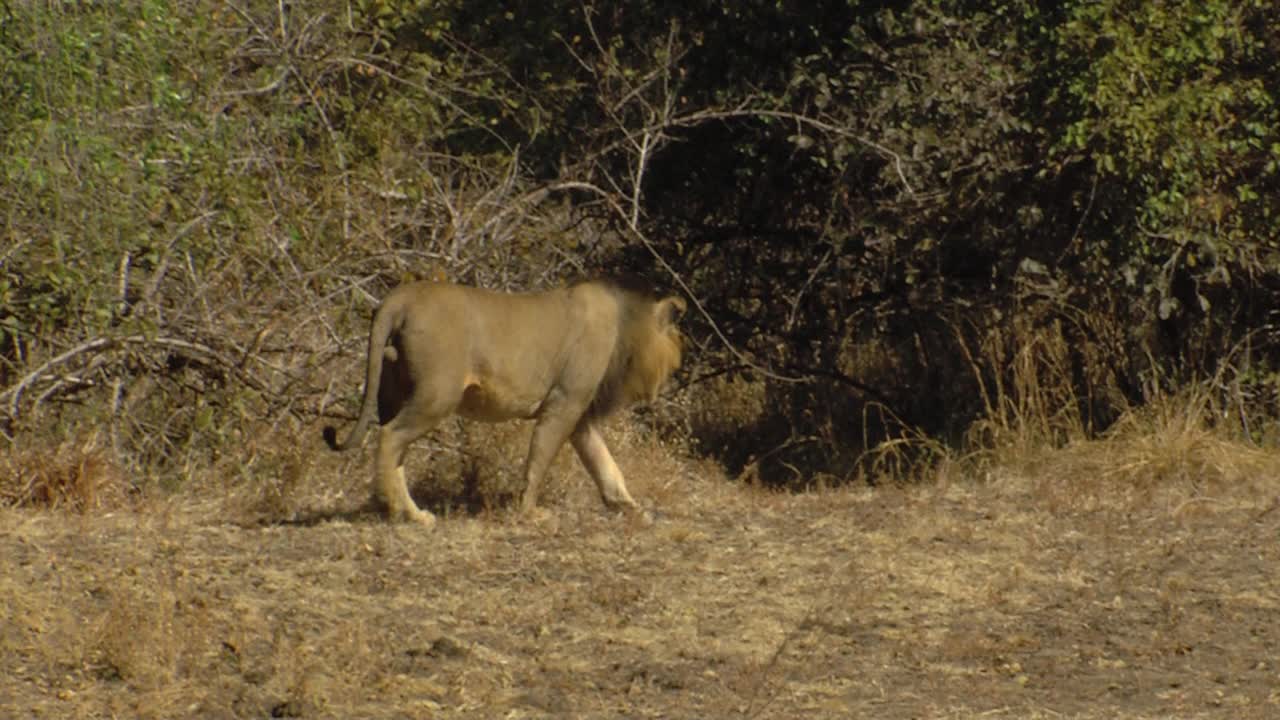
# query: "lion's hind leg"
394, 439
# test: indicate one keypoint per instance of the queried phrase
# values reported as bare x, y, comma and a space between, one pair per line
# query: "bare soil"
1000, 598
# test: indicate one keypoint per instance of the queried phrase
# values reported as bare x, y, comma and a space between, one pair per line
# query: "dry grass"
78, 474
1171, 451
1131, 578
1027, 382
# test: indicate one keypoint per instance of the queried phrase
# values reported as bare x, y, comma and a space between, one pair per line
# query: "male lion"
567, 358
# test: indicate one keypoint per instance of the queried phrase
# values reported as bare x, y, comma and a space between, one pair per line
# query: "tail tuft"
331, 437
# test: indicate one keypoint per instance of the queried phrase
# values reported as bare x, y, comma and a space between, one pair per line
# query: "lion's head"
648, 349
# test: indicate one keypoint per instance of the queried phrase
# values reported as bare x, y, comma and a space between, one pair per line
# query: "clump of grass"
79, 474
1172, 444
1031, 400
270, 478
1043, 398
906, 455
139, 639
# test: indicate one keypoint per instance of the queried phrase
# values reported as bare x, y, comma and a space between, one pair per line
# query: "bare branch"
753, 113
795, 302
432, 93
610, 200
103, 344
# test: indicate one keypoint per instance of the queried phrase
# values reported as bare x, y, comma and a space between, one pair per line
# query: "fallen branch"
104, 344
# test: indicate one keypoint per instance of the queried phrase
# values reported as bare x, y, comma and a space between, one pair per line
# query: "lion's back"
510, 348
591, 343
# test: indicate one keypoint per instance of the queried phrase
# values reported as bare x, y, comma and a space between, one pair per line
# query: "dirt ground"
961, 598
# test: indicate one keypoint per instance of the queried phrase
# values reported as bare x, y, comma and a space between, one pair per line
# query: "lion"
566, 358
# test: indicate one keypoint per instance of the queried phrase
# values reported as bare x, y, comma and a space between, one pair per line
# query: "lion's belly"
490, 402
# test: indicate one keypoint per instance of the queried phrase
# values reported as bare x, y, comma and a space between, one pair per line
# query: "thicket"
907, 227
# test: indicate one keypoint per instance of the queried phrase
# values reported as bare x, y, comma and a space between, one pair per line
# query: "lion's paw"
422, 518
536, 515
639, 517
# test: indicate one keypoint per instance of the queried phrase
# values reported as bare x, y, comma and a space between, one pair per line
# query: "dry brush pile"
897, 254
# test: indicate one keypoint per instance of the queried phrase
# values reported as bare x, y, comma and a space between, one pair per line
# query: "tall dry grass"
1041, 393
1029, 395
79, 474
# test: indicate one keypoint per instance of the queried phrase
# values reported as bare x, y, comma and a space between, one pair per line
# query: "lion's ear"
670, 309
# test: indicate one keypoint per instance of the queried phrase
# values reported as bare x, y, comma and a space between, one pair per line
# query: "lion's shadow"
366, 514
469, 502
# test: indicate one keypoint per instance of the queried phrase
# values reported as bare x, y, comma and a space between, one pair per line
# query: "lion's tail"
386, 320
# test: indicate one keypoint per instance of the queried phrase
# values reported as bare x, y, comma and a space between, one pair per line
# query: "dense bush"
902, 222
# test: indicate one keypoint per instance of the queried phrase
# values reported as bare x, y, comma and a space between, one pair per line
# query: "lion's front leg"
597, 459
549, 434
